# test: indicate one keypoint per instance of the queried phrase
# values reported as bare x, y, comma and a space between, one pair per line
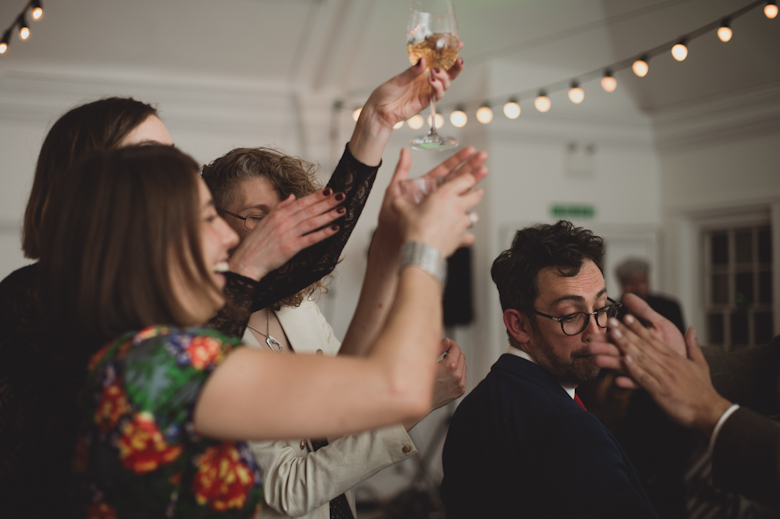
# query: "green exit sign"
572, 211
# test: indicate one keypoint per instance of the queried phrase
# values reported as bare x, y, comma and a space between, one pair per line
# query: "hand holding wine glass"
432, 35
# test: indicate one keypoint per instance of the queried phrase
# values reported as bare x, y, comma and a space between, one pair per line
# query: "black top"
41, 378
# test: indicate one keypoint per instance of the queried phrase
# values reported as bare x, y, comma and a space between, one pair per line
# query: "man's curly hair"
562, 245
286, 173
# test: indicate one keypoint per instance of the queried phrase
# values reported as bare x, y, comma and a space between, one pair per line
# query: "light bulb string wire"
20, 19
626, 63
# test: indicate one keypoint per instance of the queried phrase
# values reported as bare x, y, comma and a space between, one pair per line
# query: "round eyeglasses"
574, 324
250, 220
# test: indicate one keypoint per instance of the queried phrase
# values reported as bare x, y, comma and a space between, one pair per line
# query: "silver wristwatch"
426, 257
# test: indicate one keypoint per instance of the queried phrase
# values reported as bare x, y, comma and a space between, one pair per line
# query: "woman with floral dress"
139, 253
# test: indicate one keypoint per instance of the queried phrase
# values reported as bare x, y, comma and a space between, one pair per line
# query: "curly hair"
562, 245
289, 175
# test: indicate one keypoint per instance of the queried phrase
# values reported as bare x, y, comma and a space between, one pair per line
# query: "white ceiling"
346, 47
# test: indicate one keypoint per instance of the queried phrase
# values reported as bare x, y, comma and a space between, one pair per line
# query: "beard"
578, 367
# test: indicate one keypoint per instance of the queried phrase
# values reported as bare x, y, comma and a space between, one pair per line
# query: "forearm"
369, 137
298, 485
376, 296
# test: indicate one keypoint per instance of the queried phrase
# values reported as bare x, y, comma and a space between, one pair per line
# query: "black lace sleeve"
244, 296
354, 179
234, 316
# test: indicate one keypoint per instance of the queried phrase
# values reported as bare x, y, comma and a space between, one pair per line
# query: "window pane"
720, 288
744, 285
744, 246
764, 332
720, 249
739, 329
764, 245
765, 287
715, 329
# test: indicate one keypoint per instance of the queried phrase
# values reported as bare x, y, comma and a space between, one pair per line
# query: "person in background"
634, 277
522, 444
303, 477
168, 405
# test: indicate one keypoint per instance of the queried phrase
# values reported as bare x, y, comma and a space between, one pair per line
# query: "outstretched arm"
254, 395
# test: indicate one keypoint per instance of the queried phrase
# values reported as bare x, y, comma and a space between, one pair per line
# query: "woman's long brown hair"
120, 220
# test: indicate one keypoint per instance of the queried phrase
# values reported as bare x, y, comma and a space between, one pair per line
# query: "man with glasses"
522, 443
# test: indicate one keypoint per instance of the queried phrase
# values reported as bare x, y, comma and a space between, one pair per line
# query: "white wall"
719, 157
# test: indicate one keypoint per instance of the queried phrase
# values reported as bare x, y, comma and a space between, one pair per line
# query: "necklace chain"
270, 340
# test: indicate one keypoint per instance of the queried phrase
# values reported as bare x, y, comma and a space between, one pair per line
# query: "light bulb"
724, 33
770, 9
439, 120
512, 109
542, 102
416, 122
5, 41
24, 33
458, 118
680, 51
356, 113
608, 82
484, 114
398, 125
3, 47
640, 67
37, 10
576, 94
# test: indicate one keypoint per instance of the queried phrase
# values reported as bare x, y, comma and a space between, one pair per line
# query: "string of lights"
35, 9
638, 63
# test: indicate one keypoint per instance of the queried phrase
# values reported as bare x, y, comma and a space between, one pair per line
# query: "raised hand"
292, 226
442, 219
680, 385
396, 100
466, 162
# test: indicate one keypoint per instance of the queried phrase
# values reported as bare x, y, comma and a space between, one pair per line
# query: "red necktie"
579, 402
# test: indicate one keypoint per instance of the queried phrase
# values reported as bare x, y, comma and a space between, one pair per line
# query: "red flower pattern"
204, 350
142, 448
112, 406
223, 480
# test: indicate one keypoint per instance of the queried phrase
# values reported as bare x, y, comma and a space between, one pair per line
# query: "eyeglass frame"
245, 218
614, 304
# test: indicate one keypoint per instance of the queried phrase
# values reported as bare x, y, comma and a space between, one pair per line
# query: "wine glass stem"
433, 116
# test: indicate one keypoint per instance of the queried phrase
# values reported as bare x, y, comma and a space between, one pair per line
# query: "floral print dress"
138, 454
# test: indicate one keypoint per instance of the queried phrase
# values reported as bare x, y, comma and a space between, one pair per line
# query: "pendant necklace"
269, 339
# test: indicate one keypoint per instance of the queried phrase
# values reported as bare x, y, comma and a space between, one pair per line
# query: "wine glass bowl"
432, 33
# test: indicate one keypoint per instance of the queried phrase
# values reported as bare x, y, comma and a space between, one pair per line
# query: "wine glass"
432, 34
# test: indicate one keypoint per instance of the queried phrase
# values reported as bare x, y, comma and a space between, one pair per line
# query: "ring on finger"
474, 217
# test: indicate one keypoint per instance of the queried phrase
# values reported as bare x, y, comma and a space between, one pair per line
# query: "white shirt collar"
522, 354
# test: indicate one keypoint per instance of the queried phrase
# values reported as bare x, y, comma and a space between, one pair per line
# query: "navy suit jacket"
519, 446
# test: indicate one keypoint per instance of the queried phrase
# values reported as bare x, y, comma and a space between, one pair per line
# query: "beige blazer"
299, 482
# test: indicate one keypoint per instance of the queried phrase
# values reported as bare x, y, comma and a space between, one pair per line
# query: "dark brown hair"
99, 125
516, 270
125, 217
289, 175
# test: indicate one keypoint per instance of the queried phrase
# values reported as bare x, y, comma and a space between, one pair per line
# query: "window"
738, 281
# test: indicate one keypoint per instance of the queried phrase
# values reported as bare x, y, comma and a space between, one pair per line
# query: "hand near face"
608, 356
442, 219
680, 385
467, 161
285, 231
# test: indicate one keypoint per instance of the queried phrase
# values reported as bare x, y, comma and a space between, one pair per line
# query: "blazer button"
303, 444
407, 449
319, 352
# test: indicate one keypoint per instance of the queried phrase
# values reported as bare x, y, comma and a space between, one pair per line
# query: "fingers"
693, 348
410, 74
639, 307
449, 165
315, 204
457, 68
440, 82
402, 168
